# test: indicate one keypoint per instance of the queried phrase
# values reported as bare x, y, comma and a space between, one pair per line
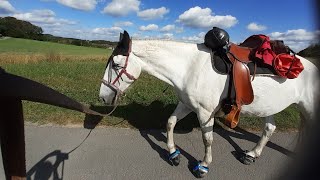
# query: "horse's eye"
116, 66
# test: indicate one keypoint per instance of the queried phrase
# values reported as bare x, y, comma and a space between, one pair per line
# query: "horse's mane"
148, 46
163, 40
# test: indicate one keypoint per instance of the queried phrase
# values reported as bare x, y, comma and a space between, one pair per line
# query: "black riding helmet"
216, 38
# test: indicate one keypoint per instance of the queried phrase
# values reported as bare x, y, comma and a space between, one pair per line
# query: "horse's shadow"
151, 121
143, 117
163, 153
249, 136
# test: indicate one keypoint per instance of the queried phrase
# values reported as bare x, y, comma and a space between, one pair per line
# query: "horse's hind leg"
249, 157
179, 113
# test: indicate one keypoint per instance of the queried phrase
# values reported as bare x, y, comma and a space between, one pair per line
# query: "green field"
144, 106
26, 46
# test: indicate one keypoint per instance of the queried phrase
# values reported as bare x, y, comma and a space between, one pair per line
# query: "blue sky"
189, 20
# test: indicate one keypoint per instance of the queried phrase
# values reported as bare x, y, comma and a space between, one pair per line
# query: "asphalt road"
112, 153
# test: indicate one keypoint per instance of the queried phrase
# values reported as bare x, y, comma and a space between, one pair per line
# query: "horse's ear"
126, 34
121, 37
123, 46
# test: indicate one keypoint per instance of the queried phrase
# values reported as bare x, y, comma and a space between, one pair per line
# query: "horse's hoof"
246, 159
200, 171
174, 158
176, 161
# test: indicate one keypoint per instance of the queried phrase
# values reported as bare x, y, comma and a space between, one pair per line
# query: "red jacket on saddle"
276, 54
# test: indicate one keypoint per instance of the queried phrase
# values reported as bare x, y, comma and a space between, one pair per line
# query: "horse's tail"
302, 129
309, 99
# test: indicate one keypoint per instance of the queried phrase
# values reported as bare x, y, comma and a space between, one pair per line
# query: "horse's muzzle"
110, 96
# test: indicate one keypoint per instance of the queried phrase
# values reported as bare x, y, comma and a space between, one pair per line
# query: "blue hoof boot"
200, 171
174, 157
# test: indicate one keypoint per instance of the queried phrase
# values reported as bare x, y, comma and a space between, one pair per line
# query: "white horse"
188, 68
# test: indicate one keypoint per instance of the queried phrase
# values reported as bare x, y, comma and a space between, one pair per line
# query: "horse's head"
121, 71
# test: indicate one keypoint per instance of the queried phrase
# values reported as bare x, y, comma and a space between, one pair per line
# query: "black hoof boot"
246, 159
174, 158
176, 161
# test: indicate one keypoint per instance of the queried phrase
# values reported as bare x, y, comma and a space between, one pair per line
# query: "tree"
10, 26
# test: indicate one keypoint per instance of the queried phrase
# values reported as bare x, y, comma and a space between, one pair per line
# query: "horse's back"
274, 94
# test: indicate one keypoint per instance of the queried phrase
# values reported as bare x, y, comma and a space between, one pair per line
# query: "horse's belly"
271, 96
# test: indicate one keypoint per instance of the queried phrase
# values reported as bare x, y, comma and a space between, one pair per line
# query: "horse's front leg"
179, 113
249, 157
206, 124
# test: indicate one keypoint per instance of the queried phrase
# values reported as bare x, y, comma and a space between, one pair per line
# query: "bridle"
116, 67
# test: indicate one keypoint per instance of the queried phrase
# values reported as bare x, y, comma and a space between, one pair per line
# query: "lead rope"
89, 111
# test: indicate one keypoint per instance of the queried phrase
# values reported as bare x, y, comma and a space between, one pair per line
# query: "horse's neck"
167, 60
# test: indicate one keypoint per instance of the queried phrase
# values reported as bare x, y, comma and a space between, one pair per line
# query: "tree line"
12, 27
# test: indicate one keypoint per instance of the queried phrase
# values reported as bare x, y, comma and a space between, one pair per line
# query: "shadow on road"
163, 153
151, 121
45, 169
243, 134
152, 116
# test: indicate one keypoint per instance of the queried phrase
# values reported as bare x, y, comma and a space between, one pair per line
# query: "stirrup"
174, 155
202, 169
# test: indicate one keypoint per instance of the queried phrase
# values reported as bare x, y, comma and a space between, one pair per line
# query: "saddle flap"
242, 82
239, 52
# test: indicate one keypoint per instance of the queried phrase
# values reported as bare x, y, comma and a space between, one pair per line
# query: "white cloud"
179, 29
85, 5
153, 13
121, 7
167, 28
165, 36
43, 17
256, 27
6, 7
139, 35
297, 39
123, 24
295, 35
197, 17
199, 38
168, 36
150, 27
107, 31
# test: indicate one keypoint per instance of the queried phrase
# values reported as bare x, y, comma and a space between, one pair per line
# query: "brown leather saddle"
240, 57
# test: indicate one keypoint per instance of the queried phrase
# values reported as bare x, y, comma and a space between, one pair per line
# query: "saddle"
239, 57
257, 49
